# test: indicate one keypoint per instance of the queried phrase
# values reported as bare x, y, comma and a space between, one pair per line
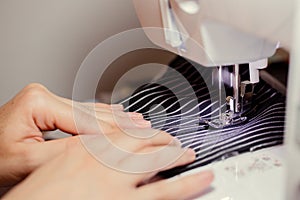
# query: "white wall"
45, 41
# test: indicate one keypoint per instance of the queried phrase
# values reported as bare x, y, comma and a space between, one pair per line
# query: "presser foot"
227, 119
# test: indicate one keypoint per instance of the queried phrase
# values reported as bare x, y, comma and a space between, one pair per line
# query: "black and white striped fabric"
181, 103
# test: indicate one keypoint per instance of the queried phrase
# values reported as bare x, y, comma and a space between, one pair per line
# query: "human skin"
77, 175
35, 110
66, 165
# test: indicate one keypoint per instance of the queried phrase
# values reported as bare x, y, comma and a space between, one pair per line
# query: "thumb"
50, 113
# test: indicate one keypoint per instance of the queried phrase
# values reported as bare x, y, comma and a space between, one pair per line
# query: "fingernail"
177, 142
191, 153
206, 176
136, 115
117, 106
143, 123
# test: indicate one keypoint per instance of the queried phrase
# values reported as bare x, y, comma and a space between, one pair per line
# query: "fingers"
112, 114
124, 120
102, 106
74, 120
121, 142
177, 188
45, 112
50, 112
148, 163
187, 157
134, 140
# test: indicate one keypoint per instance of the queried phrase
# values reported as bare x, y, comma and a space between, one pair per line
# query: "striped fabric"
181, 104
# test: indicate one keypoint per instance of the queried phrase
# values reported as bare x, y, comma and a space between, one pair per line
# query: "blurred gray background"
45, 41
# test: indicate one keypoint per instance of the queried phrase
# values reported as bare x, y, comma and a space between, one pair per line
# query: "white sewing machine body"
220, 33
215, 33
231, 32
256, 175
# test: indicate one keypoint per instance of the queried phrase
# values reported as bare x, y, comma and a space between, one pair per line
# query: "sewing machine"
230, 33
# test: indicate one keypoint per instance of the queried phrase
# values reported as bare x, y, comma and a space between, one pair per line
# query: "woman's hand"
115, 156
34, 110
77, 175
